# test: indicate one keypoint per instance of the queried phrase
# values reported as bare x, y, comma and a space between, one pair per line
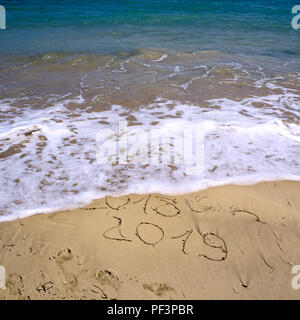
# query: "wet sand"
231, 242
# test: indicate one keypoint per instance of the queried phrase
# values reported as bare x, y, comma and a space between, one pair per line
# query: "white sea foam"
163, 57
48, 157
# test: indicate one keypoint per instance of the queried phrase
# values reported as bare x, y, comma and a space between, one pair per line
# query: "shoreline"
228, 242
48, 211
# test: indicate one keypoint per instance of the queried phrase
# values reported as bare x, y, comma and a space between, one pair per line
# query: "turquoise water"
261, 27
71, 70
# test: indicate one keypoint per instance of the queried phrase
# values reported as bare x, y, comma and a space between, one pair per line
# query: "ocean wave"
49, 157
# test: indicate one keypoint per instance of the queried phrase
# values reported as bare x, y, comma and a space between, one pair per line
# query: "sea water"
71, 69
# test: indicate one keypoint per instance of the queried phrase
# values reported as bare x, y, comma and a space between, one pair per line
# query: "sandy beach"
231, 242
149, 150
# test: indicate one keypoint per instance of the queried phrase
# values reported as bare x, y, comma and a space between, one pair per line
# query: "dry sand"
232, 242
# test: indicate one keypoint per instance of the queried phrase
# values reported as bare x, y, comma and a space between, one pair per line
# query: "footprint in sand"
61, 258
14, 283
158, 289
109, 282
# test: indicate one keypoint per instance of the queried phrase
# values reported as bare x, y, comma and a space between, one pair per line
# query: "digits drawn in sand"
187, 234
150, 240
211, 240
127, 200
118, 228
146, 204
167, 204
234, 211
151, 234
